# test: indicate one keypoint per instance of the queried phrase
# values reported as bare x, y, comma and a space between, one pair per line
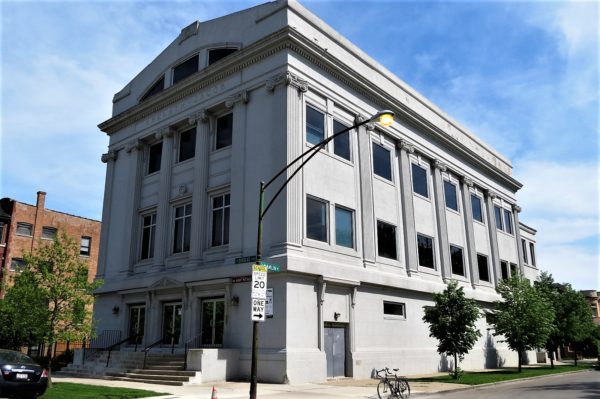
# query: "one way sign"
258, 309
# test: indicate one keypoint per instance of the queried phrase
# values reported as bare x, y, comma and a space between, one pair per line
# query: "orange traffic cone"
214, 393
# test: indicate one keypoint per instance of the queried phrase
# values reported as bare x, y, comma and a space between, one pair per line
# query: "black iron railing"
106, 339
195, 342
159, 342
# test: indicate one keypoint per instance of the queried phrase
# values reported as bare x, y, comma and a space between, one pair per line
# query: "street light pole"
385, 118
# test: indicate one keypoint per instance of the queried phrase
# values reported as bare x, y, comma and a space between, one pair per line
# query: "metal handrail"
115, 345
191, 343
99, 343
152, 345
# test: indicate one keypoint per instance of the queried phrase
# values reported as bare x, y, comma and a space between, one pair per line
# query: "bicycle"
389, 389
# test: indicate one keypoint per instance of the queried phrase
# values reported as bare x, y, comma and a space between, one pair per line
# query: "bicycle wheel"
404, 388
384, 390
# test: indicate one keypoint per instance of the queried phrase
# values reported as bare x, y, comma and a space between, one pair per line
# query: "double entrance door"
171, 330
212, 322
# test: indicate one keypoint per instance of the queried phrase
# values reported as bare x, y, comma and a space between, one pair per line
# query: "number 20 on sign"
259, 282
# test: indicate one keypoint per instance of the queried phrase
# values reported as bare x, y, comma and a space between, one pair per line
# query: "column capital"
358, 118
437, 164
164, 133
109, 156
239, 97
489, 193
289, 79
404, 145
516, 208
467, 181
202, 116
135, 144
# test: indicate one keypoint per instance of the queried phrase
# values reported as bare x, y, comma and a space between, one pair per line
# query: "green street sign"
271, 267
245, 259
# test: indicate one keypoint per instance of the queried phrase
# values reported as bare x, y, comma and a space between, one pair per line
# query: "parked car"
21, 376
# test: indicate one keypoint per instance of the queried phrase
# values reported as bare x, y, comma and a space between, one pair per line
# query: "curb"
491, 384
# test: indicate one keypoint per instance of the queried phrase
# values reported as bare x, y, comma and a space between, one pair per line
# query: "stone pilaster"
199, 197
109, 159
440, 213
408, 210
516, 210
493, 235
136, 172
467, 210
163, 241
367, 209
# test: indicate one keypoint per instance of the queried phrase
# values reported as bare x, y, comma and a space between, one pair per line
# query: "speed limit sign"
259, 282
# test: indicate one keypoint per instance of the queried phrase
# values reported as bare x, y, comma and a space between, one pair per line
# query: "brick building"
593, 299
23, 227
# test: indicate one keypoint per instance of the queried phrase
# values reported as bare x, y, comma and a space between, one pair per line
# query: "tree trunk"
575, 359
519, 352
455, 367
551, 355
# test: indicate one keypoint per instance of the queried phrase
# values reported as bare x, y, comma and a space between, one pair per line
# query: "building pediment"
166, 282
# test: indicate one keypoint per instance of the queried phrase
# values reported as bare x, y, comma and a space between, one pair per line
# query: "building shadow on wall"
493, 360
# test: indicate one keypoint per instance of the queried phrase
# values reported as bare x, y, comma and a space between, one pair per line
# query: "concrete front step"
164, 372
145, 381
151, 377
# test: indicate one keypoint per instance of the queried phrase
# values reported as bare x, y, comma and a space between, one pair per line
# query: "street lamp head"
385, 117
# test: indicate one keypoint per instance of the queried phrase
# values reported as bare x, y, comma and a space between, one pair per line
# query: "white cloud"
571, 265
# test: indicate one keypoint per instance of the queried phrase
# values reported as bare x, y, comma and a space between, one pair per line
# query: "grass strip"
62, 390
506, 374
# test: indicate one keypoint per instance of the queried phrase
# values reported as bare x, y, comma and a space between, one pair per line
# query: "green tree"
60, 276
452, 322
573, 322
523, 316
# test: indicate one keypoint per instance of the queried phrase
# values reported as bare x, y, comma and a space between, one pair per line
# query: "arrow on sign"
259, 316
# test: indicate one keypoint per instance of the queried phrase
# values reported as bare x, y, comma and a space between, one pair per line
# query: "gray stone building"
372, 226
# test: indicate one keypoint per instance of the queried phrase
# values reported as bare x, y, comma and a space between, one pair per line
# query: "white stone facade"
286, 60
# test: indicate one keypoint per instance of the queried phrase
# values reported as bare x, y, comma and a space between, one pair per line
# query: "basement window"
394, 309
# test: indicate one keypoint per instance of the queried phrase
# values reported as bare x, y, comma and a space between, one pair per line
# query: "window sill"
396, 318
384, 180
24, 235
428, 270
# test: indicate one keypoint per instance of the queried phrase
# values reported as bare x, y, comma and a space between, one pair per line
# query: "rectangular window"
148, 235
382, 165
508, 222
48, 233
316, 219
182, 228
425, 246
498, 214
155, 89
419, 180
315, 125
221, 205
17, 264
504, 270
185, 69
524, 249
456, 259
394, 309
513, 269
2, 233
386, 240
224, 135
532, 253
482, 266
24, 229
344, 227
341, 144
450, 195
217, 54
85, 246
154, 157
187, 144
476, 208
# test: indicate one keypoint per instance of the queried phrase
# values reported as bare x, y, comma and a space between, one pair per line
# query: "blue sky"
523, 76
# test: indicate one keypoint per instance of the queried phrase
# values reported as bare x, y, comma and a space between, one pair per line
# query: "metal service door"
335, 351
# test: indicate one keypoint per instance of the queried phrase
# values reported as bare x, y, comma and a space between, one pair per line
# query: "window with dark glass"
508, 222
532, 253
382, 165
224, 131
393, 309
476, 208
344, 227
341, 144
187, 144
524, 249
17, 264
316, 219
154, 157
48, 233
221, 205
217, 54
386, 240
185, 69
24, 229
2, 233
498, 214
148, 236
425, 246
182, 229
315, 125
450, 195
155, 89
85, 246
419, 180
482, 266
456, 259
504, 270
